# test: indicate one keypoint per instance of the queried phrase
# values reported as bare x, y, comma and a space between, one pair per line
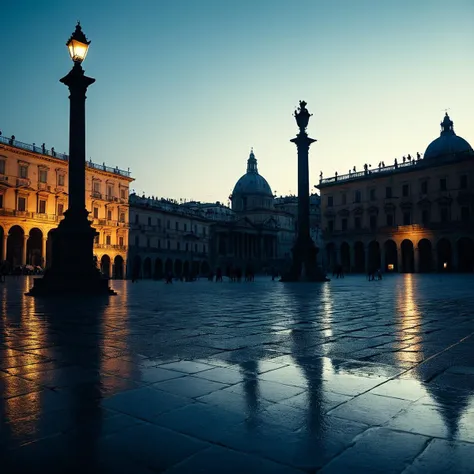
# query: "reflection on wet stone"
298, 379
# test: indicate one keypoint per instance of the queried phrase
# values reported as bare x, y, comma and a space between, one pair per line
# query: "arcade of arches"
23, 247
406, 256
157, 268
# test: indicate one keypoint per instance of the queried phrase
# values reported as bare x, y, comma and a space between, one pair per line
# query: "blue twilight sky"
185, 87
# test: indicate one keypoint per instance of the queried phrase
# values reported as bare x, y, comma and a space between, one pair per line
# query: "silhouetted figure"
53, 152
320, 175
366, 168
396, 163
43, 148
354, 169
404, 159
218, 275
383, 164
418, 156
169, 278
409, 157
12, 139
335, 176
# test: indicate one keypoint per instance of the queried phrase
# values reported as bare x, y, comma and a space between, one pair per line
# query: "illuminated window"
21, 203
43, 176
390, 267
2, 166
42, 206
107, 239
23, 171
60, 180
1, 201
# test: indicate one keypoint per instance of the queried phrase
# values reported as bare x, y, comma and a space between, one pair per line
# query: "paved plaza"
264, 377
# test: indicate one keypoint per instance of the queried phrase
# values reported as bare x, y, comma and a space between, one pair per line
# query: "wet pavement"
347, 376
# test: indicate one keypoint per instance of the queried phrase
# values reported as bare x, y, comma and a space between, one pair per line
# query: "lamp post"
304, 266
73, 269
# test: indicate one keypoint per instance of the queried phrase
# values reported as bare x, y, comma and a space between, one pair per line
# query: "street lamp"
73, 269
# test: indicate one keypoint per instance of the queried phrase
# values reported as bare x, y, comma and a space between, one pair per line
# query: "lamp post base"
304, 267
73, 270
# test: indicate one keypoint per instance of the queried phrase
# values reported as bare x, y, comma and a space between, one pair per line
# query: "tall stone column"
44, 240
4, 246
23, 249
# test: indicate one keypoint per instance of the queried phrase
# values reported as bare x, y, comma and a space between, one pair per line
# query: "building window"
185, 227
407, 218
60, 209
330, 225
1, 201
344, 198
96, 186
43, 176
23, 171
21, 203
357, 196
110, 191
176, 225
96, 212
425, 217
137, 241
159, 244
373, 222
149, 221
96, 239
168, 224
136, 218
442, 184
344, 224
357, 223
42, 206
169, 245
372, 194
444, 214
122, 217
148, 242
390, 220
424, 187
109, 214
121, 241
195, 247
60, 180
107, 239
204, 232
388, 192
2, 166
178, 245
463, 182
158, 223
465, 214
204, 249
122, 193
187, 247
405, 190
330, 201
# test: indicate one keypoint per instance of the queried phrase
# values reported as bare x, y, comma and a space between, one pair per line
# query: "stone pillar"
416, 253
23, 250
262, 247
399, 259
4, 246
352, 253
43, 250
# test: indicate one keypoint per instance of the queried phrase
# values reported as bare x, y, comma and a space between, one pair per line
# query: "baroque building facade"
414, 216
34, 195
167, 237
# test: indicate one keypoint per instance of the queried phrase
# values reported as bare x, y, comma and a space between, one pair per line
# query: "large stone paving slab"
347, 376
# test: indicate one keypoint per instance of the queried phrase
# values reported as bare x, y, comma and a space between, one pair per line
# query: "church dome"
448, 143
251, 183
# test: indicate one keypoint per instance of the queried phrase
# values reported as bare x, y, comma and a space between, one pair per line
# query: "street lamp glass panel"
77, 50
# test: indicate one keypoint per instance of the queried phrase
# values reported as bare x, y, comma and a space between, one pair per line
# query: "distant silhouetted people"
12, 139
43, 148
418, 156
169, 278
395, 163
53, 152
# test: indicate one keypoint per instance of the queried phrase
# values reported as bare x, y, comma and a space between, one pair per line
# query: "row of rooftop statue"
405, 159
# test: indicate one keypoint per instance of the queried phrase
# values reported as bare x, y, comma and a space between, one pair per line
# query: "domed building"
413, 216
448, 143
252, 190
259, 236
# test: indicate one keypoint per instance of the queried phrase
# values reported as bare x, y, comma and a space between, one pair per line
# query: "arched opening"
2, 233
375, 259
34, 247
359, 257
178, 267
49, 249
168, 266
444, 253
425, 256
346, 257
465, 249
118, 267
186, 269
105, 265
391, 256
205, 269
408, 256
15, 243
147, 267
331, 256
158, 269
136, 267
